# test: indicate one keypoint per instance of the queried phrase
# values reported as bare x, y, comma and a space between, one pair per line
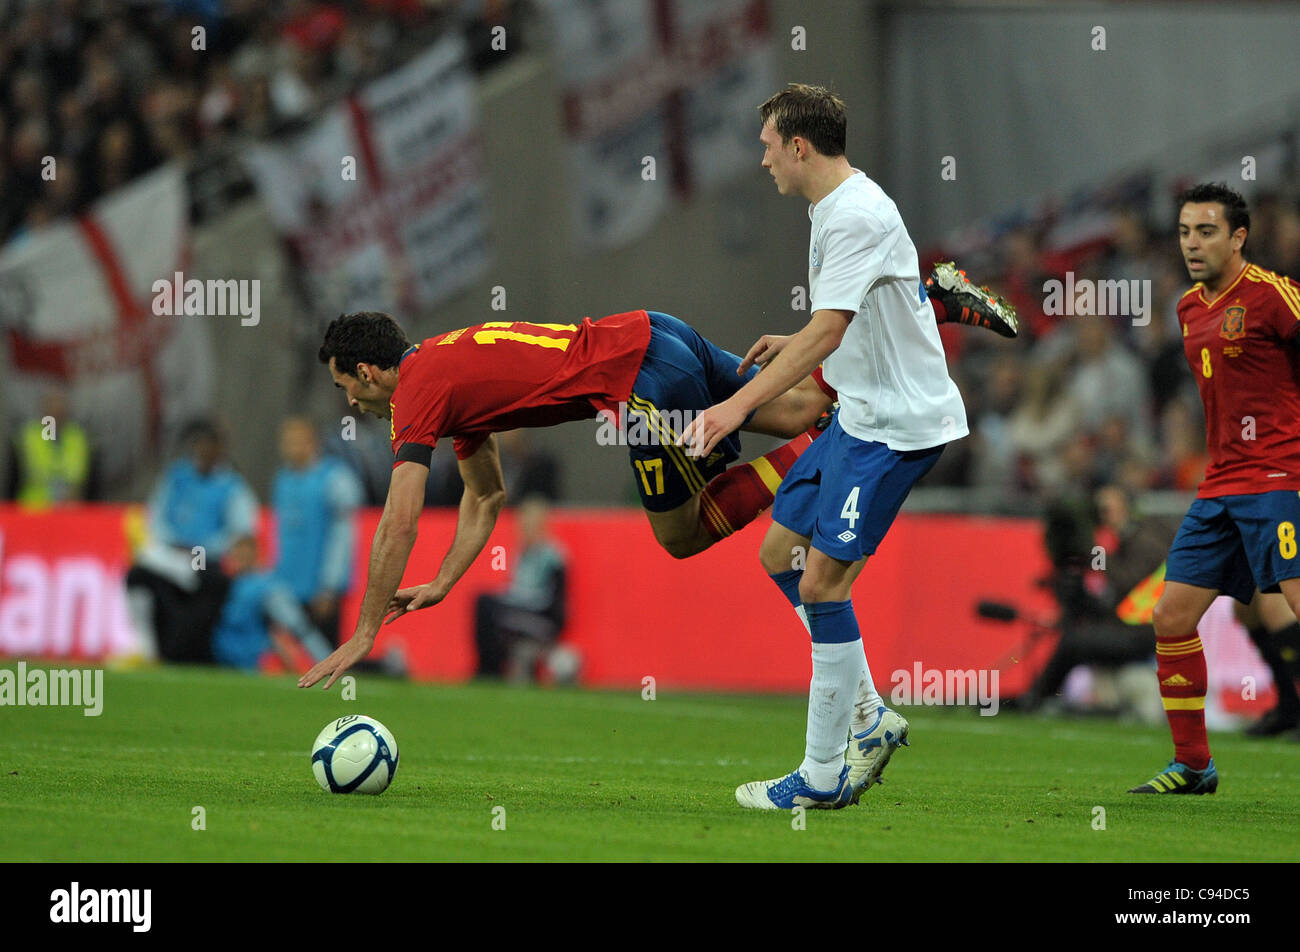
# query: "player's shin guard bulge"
1180, 666
734, 499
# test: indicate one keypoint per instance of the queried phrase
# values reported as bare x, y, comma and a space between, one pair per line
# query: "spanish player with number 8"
1241, 335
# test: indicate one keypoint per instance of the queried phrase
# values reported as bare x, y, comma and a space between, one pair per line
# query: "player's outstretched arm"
793, 412
480, 504
394, 539
801, 353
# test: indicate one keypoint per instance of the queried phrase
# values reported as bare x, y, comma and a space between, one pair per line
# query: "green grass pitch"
596, 775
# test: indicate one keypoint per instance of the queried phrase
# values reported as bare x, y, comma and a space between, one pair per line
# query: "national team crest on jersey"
1234, 323
816, 258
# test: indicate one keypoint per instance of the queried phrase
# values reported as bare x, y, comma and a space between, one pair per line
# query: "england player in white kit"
873, 331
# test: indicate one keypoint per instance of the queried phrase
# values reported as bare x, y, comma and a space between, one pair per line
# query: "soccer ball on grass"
354, 754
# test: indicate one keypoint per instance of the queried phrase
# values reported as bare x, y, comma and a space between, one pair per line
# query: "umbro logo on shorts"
847, 536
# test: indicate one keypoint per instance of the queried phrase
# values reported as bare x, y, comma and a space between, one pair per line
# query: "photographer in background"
1098, 554
515, 629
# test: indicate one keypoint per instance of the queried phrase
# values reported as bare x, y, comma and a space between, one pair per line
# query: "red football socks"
1180, 666
940, 312
734, 499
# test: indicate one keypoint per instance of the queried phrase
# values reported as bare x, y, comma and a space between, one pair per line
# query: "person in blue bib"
315, 499
258, 599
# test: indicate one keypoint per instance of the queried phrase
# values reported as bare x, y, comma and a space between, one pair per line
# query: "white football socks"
837, 674
868, 700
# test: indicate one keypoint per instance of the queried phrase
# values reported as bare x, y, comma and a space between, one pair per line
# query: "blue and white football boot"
871, 746
792, 790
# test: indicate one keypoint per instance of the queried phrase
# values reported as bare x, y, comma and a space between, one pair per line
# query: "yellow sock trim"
1183, 703
767, 473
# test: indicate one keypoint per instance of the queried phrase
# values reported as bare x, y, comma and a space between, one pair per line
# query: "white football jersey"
889, 370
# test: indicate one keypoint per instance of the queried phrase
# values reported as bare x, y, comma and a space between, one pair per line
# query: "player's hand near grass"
342, 658
485, 494
480, 504
394, 539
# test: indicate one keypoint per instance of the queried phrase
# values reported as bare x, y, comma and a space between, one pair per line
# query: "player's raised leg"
735, 498
679, 531
1180, 668
693, 503
955, 299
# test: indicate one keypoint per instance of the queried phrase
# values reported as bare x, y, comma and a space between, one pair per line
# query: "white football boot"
792, 790
870, 747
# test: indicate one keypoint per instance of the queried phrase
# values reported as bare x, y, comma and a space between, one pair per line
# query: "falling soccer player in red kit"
649, 371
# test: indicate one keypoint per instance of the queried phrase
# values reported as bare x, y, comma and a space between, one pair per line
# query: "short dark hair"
366, 337
201, 428
810, 112
1234, 206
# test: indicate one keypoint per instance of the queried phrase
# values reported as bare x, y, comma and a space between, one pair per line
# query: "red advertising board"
712, 621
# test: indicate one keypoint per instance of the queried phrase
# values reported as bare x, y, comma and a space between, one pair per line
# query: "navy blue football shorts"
1237, 543
681, 375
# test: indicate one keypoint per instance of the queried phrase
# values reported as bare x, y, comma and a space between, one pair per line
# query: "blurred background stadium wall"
1046, 113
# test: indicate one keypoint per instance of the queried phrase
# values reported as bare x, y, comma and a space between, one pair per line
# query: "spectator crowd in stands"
1081, 401
109, 90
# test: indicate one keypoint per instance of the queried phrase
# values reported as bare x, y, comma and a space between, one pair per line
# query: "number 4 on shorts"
850, 510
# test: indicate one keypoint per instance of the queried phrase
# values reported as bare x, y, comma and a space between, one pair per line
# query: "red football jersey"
1244, 354
502, 375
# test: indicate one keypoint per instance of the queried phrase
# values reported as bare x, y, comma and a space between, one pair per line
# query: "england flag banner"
382, 199
659, 98
77, 314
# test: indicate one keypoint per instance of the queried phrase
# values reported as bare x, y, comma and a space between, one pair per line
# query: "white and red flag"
381, 201
77, 315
